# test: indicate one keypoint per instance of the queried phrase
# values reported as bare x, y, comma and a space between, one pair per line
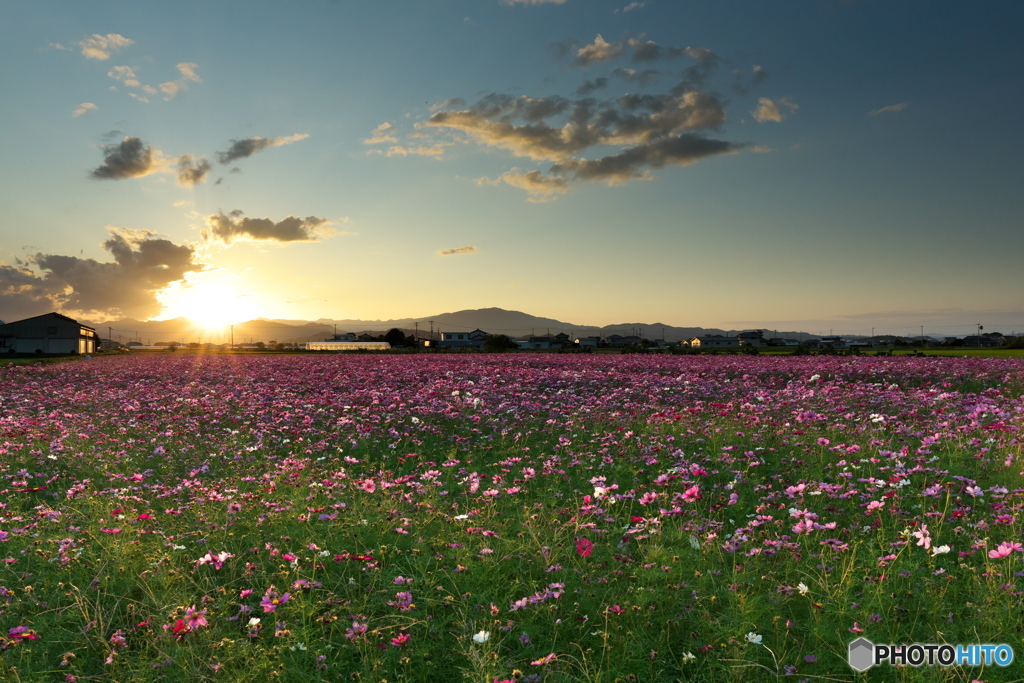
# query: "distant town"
55, 334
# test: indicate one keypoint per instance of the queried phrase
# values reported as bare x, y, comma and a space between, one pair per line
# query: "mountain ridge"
492, 320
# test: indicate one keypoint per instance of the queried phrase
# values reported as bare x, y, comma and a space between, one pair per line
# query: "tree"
499, 343
395, 337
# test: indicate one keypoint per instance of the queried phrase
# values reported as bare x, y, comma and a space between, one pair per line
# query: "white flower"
482, 636
753, 638
298, 646
689, 657
461, 517
941, 550
802, 587
600, 492
255, 621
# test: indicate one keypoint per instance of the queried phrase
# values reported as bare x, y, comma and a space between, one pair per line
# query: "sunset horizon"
830, 165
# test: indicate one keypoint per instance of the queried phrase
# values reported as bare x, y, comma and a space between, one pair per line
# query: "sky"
843, 165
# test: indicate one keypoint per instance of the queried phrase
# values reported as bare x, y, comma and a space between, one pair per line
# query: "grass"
491, 518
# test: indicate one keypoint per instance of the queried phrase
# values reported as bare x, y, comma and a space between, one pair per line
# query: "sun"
208, 302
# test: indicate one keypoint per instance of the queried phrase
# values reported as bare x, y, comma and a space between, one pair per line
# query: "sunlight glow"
209, 300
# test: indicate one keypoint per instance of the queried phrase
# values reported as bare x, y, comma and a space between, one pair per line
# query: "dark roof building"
48, 333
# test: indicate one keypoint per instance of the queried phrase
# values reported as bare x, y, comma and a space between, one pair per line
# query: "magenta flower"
271, 600
584, 547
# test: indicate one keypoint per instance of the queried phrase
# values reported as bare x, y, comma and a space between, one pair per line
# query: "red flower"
584, 547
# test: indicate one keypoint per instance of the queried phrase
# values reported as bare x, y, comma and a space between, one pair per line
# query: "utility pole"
431, 330
416, 336
232, 337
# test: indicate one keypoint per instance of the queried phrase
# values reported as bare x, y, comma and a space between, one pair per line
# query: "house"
463, 340
587, 342
343, 337
715, 341
48, 333
780, 341
752, 338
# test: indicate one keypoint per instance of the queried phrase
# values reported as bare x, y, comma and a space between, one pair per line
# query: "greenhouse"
347, 346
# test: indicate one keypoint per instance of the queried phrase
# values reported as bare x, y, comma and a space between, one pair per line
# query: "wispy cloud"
632, 6
235, 226
458, 251
83, 108
101, 47
892, 108
172, 89
240, 149
382, 134
770, 110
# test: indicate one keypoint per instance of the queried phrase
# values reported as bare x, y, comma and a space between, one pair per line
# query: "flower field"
507, 517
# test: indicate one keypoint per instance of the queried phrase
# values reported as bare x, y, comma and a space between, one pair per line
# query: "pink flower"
546, 659
584, 547
923, 537
691, 494
195, 619
1005, 549
400, 640
368, 485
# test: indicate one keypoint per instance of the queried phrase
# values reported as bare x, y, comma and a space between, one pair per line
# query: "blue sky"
842, 166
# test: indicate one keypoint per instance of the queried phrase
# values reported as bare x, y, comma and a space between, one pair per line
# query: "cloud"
240, 149
611, 141
172, 89
125, 75
632, 75
143, 265
23, 294
468, 249
399, 151
542, 188
768, 110
101, 47
590, 86
634, 162
532, 2
131, 158
650, 51
632, 6
891, 108
83, 108
382, 134
227, 229
598, 51
191, 171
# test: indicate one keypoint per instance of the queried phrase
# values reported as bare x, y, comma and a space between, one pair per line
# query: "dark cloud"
628, 137
130, 158
192, 171
235, 226
240, 149
634, 76
590, 86
650, 51
23, 294
143, 266
635, 162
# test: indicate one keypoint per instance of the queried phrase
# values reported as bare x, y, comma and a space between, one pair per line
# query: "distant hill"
492, 320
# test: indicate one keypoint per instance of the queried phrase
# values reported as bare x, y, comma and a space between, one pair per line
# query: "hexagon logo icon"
862, 654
